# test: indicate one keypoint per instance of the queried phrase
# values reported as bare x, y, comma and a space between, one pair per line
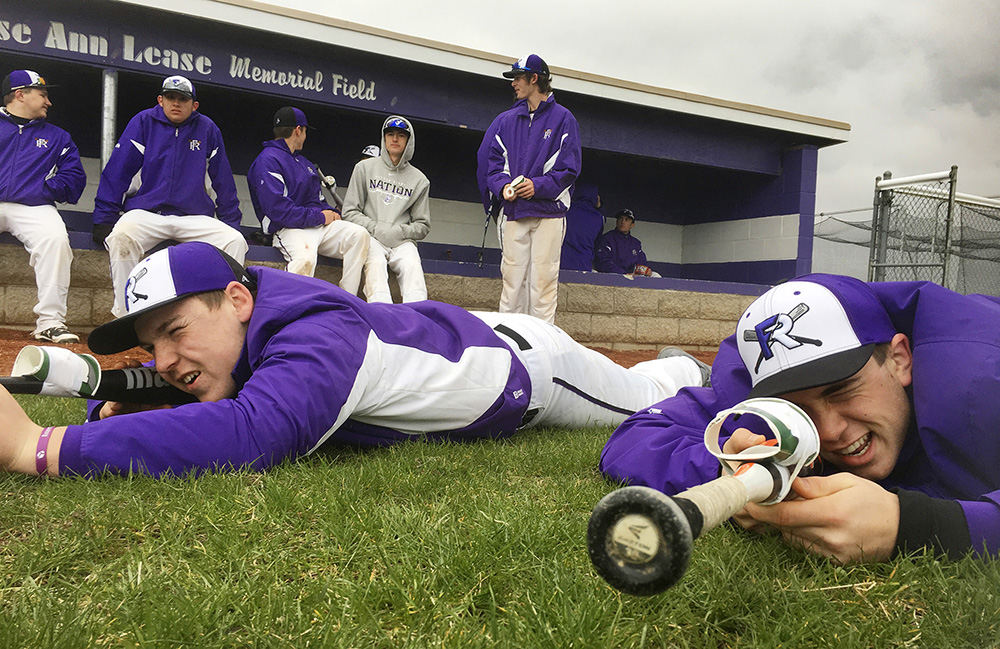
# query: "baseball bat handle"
131, 385
21, 384
708, 505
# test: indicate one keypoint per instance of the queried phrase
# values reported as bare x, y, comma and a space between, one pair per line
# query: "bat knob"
639, 540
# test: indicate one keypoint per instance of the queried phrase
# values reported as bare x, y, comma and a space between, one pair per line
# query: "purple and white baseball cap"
529, 63
163, 278
180, 85
19, 79
813, 330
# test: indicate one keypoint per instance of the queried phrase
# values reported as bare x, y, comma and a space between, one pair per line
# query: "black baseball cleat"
706, 370
58, 334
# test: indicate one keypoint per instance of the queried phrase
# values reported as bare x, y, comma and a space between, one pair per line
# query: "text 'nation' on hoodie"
389, 200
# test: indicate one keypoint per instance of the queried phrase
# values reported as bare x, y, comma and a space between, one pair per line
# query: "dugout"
725, 191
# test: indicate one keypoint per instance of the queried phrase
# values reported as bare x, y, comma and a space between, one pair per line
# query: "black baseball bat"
640, 540
130, 385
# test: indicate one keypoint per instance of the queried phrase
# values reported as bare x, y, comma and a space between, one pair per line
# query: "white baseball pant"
340, 239
577, 387
404, 260
42, 232
139, 230
530, 264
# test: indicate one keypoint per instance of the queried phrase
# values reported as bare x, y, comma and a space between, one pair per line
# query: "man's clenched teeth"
188, 379
858, 447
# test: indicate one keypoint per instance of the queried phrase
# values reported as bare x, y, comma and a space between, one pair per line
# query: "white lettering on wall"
57, 38
360, 89
17, 32
167, 58
241, 67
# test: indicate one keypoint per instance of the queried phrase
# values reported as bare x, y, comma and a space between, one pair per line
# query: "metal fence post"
952, 182
880, 226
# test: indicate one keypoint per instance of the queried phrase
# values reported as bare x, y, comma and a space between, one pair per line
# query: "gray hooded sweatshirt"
390, 201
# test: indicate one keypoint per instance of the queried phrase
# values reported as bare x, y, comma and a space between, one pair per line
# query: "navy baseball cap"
180, 85
163, 278
532, 63
813, 330
290, 116
19, 79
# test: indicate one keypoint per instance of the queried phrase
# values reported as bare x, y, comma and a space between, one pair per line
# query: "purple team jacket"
584, 222
953, 451
544, 148
176, 167
285, 189
29, 154
297, 378
618, 252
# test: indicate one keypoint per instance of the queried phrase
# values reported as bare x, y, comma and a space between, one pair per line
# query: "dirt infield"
12, 340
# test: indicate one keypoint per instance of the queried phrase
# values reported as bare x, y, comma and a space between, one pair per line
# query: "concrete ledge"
618, 313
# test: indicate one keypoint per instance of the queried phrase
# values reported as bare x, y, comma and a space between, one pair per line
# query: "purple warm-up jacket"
584, 222
545, 148
320, 364
169, 169
951, 452
39, 164
285, 189
618, 252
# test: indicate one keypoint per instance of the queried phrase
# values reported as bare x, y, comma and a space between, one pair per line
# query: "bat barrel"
639, 539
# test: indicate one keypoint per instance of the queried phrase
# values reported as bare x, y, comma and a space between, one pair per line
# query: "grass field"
426, 545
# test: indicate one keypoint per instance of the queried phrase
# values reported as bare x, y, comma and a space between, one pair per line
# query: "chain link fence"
924, 230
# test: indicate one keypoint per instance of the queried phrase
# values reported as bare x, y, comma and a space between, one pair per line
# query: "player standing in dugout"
532, 160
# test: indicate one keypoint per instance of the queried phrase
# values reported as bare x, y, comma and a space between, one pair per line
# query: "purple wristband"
41, 463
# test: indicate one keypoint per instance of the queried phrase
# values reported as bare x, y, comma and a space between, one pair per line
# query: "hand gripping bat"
640, 539
59, 372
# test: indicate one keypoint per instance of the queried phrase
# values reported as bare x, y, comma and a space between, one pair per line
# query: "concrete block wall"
760, 239
606, 316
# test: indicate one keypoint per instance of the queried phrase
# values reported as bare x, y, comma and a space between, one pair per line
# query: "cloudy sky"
918, 81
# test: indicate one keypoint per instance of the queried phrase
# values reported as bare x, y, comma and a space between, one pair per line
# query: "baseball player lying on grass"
902, 380
282, 363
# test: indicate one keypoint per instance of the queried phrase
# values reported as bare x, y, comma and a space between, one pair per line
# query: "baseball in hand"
510, 189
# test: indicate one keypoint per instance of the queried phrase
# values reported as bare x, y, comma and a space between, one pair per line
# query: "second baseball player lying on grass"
283, 363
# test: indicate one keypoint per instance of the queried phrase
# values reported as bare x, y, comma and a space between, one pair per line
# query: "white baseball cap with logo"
811, 331
178, 84
163, 278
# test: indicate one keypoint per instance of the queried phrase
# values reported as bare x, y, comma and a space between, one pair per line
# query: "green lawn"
426, 545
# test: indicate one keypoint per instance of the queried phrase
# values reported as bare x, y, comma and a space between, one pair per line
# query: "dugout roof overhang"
328, 29
246, 45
